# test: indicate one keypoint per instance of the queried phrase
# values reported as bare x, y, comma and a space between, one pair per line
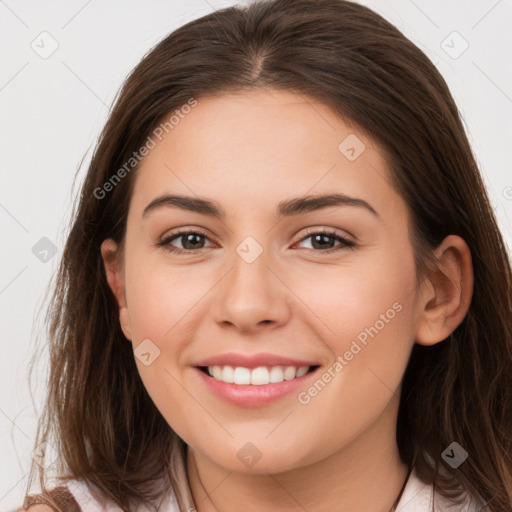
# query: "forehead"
259, 147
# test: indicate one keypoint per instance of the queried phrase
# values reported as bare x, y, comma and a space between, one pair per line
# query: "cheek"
365, 314
166, 304
371, 344
161, 297
163, 304
346, 301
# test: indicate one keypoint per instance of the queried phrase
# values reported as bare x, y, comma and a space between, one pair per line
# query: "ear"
115, 277
446, 293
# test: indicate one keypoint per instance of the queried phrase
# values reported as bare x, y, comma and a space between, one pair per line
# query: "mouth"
259, 376
254, 387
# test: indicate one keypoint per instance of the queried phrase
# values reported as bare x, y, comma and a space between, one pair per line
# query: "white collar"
419, 497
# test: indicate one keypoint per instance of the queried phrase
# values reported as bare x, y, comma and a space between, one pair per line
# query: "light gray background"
52, 110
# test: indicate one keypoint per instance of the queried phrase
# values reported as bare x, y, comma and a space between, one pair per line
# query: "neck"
367, 474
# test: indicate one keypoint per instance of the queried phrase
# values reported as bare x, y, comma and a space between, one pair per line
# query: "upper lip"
252, 361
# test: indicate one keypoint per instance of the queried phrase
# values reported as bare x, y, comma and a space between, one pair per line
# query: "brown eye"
323, 241
191, 241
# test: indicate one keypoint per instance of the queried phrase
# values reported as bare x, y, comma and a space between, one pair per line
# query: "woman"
371, 374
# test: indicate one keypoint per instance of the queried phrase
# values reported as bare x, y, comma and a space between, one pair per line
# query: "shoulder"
76, 495
58, 499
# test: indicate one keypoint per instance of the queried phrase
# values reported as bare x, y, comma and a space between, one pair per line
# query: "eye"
190, 240
321, 240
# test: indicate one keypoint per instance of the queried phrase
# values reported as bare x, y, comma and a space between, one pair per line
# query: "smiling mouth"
262, 375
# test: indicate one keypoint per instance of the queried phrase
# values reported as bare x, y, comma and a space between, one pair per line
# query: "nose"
253, 296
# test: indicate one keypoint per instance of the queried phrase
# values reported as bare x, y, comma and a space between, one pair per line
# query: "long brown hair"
363, 68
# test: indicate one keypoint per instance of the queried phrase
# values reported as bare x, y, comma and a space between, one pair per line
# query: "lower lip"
251, 395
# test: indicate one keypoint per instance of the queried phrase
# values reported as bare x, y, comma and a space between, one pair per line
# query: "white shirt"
417, 497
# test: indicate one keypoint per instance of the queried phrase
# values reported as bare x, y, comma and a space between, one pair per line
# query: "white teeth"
228, 374
276, 374
257, 376
242, 375
289, 373
302, 371
217, 372
260, 376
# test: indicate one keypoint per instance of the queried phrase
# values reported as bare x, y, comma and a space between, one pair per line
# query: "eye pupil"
322, 239
191, 237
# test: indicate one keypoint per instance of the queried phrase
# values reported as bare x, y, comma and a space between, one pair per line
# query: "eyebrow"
285, 208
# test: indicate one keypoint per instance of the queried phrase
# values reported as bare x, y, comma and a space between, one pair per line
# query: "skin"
248, 152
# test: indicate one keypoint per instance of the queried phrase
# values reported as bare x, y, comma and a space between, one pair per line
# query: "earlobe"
115, 279
447, 292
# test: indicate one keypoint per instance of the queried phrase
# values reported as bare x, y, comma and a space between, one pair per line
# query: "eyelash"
165, 243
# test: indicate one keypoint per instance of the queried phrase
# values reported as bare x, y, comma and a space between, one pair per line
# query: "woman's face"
265, 288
